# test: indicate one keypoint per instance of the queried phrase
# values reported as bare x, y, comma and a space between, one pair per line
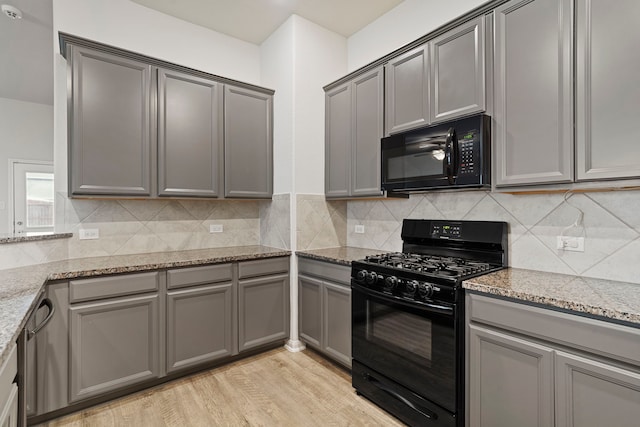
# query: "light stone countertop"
32, 237
607, 299
340, 255
20, 287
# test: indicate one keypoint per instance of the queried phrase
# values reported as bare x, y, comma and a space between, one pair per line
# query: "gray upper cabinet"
190, 156
248, 144
338, 141
110, 125
533, 114
607, 89
367, 127
354, 125
407, 90
594, 394
458, 71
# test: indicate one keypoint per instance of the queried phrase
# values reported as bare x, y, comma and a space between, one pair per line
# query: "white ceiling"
26, 49
254, 20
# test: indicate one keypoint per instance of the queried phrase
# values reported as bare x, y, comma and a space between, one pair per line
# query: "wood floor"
276, 388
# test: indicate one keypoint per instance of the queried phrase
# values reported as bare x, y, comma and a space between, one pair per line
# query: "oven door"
412, 344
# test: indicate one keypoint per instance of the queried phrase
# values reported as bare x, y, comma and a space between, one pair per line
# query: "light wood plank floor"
276, 388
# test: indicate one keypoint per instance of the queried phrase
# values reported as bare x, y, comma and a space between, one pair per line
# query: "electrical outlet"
359, 229
216, 228
89, 233
574, 244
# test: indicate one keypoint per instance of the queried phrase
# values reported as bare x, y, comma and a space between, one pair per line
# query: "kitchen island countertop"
605, 299
20, 287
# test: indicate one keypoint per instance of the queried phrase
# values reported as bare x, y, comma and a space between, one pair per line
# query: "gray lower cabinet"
110, 124
511, 381
263, 302
9, 390
594, 394
407, 85
324, 295
607, 89
354, 126
533, 92
190, 155
530, 366
248, 143
201, 315
458, 71
113, 344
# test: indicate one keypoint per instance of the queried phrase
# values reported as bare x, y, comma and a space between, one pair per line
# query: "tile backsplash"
611, 227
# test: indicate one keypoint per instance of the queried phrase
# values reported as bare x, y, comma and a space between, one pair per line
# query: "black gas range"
408, 317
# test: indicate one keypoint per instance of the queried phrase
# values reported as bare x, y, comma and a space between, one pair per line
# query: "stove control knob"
390, 282
361, 275
371, 278
412, 287
425, 290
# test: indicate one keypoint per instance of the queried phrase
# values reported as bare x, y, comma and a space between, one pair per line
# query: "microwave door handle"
450, 155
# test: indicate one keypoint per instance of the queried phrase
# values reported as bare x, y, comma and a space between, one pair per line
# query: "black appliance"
408, 317
454, 154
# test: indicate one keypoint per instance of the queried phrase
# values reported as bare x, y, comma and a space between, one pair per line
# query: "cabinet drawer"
112, 286
325, 270
198, 275
8, 372
591, 335
263, 266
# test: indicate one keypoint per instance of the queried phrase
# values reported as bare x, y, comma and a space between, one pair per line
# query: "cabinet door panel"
310, 310
407, 91
113, 344
338, 141
200, 325
337, 322
110, 120
510, 381
607, 89
533, 117
367, 131
593, 394
457, 72
263, 315
248, 143
189, 135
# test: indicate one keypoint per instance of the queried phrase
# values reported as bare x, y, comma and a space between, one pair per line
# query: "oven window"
400, 332
415, 165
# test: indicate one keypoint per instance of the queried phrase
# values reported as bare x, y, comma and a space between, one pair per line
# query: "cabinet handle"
49, 304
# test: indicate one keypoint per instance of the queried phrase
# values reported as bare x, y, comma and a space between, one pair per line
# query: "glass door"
33, 195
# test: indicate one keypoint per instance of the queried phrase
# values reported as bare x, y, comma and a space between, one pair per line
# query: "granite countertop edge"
21, 287
33, 238
341, 255
608, 310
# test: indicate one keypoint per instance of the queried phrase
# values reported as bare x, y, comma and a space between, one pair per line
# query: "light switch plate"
89, 233
359, 229
574, 244
216, 228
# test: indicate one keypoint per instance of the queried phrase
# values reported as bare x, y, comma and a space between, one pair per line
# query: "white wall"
277, 56
320, 57
128, 25
27, 134
405, 23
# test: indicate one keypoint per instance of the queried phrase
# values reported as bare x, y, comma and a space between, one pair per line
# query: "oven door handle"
422, 411
422, 306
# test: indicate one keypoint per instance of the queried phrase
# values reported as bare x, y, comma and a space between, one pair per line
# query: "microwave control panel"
468, 146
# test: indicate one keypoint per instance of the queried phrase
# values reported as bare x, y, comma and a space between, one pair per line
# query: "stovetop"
430, 265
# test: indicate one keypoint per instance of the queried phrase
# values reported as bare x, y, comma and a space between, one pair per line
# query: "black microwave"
455, 154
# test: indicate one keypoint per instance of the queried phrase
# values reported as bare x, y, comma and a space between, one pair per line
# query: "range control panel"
445, 230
